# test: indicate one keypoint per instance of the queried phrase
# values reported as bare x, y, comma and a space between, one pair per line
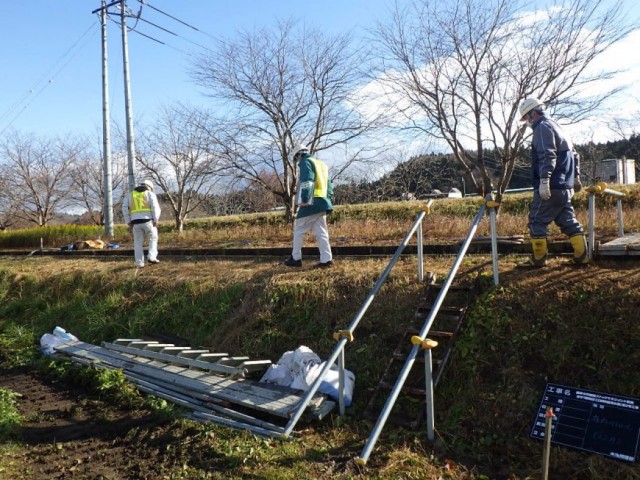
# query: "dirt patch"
67, 434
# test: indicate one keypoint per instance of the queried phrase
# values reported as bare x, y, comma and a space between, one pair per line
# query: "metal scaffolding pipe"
304, 402
494, 245
377, 429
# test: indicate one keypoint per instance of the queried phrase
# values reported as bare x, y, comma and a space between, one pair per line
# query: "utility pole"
131, 152
107, 210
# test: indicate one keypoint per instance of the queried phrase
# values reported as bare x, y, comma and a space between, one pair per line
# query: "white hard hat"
529, 104
299, 148
148, 184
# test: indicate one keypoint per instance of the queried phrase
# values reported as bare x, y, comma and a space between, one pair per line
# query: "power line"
176, 19
47, 77
138, 17
158, 26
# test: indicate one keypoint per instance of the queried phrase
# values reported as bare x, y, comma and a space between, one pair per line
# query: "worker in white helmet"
555, 176
141, 211
313, 199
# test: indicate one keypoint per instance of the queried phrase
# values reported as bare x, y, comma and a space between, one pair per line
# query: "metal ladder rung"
156, 347
192, 353
436, 333
406, 390
211, 357
128, 341
427, 307
419, 359
173, 350
459, 288
232, 361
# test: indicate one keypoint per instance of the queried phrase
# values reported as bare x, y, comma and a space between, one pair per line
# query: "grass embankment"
562, 325
362, 224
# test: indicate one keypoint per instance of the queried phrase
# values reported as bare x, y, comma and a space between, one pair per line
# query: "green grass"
10, 417
382, 222
568, 326
355, 224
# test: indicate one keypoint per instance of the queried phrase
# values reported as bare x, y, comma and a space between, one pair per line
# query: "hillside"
562, 325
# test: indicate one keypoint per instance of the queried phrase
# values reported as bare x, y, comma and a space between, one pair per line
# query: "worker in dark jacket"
313, 199
555, 176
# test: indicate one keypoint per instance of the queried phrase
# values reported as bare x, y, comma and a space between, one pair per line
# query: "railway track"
479, 246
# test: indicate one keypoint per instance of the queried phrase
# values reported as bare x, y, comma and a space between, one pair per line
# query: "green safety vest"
139, 203
322, 178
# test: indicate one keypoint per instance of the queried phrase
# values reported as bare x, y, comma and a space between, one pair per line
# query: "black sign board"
596, 422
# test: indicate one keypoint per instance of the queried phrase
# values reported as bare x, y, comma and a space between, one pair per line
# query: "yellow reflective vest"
321, 183
139, 203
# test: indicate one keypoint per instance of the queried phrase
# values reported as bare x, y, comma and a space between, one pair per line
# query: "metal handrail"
373, 437
344, 336
601, 188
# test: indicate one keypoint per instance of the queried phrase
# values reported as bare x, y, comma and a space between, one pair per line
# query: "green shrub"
10, 418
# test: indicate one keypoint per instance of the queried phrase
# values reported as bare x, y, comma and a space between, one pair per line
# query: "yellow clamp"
425, 343
598, 188
427, 207
343, 334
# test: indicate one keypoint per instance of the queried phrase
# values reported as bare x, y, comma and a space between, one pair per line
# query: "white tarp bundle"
49, 341
299, 368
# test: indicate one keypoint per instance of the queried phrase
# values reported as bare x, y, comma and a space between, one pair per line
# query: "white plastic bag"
299, 368
49, 341
278, 374
330, 385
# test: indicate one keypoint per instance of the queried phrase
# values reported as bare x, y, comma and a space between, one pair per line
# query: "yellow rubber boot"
580, 254
539, 257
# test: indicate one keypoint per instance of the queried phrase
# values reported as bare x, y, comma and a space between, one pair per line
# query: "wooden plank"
273, 399
627, 245
220, 387
200, 401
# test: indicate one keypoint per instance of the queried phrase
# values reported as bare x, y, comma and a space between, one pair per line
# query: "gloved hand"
577, 185
544, 190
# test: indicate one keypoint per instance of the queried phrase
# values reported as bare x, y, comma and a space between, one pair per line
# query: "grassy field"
561, 324
363, 224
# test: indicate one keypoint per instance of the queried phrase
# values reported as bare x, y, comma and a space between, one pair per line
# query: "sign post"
548, 419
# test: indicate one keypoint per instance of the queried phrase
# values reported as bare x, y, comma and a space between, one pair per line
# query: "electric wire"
176, 19
135, 29
158, 26
182, 37
22, 103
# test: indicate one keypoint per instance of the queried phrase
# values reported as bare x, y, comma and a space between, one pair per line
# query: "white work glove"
544, 190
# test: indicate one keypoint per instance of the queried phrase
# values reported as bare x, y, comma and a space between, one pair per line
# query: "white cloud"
622, 109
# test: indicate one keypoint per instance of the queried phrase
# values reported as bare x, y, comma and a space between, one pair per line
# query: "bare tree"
177, 153
7, 205
36, 172
87, 181
285, 86
458, 71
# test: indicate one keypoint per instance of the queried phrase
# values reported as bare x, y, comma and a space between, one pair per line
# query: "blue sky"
51, 54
